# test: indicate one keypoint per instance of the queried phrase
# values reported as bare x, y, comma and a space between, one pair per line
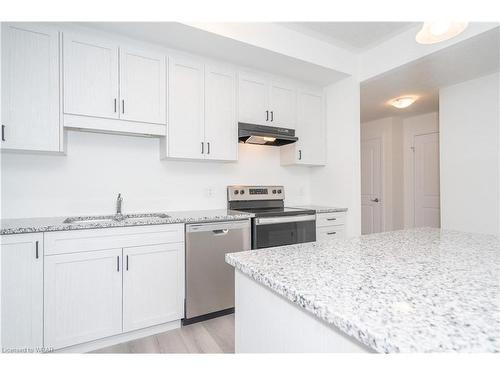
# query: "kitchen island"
419, 290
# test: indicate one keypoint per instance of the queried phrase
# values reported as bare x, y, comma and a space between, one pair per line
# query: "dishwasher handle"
220, 232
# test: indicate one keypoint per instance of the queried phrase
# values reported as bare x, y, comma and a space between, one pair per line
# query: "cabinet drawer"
109, 238
326, 233
329, 219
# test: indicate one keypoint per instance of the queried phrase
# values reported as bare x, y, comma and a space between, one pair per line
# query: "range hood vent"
265, 135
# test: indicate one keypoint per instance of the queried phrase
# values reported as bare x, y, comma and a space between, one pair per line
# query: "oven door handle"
283, 219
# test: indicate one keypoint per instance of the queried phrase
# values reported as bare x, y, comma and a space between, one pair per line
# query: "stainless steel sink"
103, 219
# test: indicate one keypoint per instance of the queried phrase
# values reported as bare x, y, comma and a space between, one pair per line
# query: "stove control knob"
242, 191
279, 191
274, 191
236, 192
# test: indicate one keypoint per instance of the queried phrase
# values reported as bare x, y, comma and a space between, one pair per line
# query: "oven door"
283, 230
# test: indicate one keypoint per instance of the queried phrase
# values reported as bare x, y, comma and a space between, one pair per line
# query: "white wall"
469, 147
98, 166
338, 183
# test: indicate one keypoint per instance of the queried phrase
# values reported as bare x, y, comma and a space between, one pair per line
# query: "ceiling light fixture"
403, 101
438, 31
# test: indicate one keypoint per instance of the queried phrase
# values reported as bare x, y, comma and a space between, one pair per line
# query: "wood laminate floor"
211, 336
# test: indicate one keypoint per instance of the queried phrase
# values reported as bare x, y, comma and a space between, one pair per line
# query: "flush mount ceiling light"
403, 101
438, 31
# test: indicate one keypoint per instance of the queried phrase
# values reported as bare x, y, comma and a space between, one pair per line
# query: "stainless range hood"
265, 135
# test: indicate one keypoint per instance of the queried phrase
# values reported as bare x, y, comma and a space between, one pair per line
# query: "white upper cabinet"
253, 99
186, 108
90, 76
142, 86
22, 290
201, 111
283, 104
221, 127
310, 149
30, 88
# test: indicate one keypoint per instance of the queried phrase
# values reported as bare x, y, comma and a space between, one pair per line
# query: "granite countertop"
321, 209
419, 290
50, 224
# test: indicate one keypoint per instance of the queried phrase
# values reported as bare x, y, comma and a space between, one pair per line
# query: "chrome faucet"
119, 201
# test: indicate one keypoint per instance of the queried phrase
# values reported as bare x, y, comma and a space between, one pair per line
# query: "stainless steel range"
274, 224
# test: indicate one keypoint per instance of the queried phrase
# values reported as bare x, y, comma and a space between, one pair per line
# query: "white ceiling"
354, 36
190, 39
474, 57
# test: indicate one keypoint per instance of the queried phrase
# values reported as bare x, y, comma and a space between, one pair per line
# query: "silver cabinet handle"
208, 145
127, 262
272, 116
3, 133
123, 106
220, 232
331, 219
267, 115
300, 154
115, 104
374, 200
36, 250
284, 219
118, 263
329, 233
202, 148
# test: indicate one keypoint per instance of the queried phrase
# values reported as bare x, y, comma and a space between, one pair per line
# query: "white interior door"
283, 104
221, 127
30, 87
253, 99
186, 108
90, 76
83, 297
143, 86
371, 186
153, 285
427, 209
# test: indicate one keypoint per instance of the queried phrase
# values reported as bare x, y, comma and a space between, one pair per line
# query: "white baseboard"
121, 338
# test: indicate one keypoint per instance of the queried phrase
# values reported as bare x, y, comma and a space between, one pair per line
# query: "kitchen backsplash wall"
99, 166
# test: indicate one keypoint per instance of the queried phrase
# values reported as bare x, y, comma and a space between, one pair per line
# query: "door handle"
267, 115
374, 200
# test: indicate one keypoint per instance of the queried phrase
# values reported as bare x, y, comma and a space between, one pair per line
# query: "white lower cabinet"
83, 297
22, 291
104, 282
153, 287
330, 225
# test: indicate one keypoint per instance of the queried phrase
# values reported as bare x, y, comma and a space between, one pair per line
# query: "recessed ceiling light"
438, 31
403, 101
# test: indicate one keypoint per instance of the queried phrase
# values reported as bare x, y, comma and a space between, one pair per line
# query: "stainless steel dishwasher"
209, 279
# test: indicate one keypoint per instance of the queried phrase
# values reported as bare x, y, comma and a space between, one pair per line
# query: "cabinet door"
253, 99
143, 86
185, 133
153, 285
22, 291
311, 146
283, 104
90, 76
221, 127
83, 297
30, 87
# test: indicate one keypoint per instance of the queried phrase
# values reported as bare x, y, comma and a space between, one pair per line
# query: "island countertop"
418, 290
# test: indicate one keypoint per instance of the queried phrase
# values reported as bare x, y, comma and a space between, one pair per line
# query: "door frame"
383, 213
